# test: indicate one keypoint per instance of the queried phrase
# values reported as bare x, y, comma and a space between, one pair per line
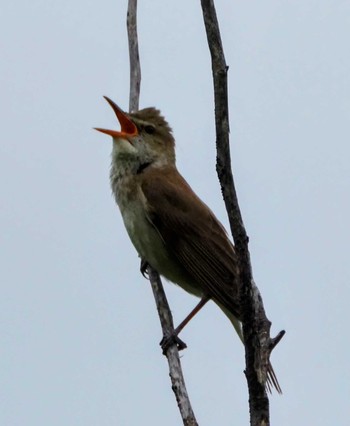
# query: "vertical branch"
135, 67
256, 326
166, 320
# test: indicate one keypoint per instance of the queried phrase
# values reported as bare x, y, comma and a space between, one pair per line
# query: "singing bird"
171, 228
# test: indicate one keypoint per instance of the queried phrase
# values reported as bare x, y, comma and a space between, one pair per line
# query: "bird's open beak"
128, 128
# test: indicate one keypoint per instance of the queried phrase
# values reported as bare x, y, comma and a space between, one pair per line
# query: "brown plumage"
170, 227
193, 235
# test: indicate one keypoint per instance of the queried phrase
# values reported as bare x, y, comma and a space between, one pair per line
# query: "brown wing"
192, 233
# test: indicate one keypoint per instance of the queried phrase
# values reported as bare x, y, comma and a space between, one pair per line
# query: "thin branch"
135, 67
166, 320
175, 371
256, 326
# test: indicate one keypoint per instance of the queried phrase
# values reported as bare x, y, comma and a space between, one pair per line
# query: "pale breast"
145, 238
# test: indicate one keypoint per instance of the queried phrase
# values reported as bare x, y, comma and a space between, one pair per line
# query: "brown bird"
170, 227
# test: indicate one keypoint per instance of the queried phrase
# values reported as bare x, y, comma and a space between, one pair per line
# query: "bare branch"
166, 320
256, 326
135, 68
175, 371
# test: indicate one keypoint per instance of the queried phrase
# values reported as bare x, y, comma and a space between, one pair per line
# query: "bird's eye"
150, 129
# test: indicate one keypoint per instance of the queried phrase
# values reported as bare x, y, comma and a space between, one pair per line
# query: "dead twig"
256, 326
166, 320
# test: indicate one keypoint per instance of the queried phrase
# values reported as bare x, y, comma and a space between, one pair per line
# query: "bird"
172, 229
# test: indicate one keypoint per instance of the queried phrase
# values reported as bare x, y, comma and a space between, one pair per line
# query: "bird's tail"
271, 381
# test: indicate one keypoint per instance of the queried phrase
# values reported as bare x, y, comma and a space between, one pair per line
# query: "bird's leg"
173, 337
143, 268
194, 311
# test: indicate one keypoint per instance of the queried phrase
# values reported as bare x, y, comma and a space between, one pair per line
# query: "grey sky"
79, 331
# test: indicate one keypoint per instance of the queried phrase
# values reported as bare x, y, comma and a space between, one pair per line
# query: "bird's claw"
143, 268
172, 339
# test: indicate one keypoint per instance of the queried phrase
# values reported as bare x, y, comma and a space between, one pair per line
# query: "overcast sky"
79, 329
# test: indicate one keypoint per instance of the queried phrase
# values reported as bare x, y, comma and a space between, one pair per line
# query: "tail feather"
272, 381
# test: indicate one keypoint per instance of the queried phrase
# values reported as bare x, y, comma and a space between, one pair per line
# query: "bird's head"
145, 136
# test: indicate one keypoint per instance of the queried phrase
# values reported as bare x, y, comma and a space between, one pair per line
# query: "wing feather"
192, 234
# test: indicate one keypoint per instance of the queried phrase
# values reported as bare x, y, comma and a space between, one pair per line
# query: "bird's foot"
143, 268
172, 339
